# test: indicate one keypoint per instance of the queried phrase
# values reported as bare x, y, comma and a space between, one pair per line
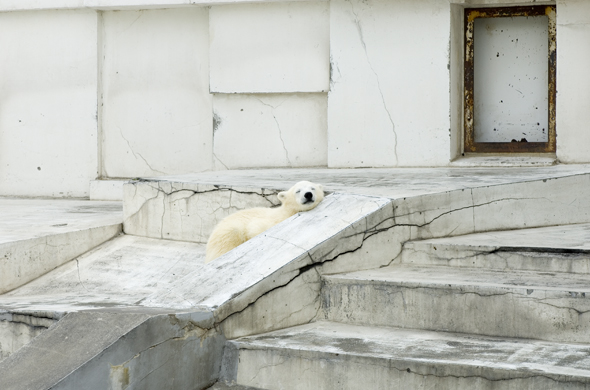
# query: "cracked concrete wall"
270, 130
185, 211
270, 76
277, 309
389, 97
156, 112
48, 123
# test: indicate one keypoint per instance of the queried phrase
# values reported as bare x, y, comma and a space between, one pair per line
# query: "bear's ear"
321, 187
282, 196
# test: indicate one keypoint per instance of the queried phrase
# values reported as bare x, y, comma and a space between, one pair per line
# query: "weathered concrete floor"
385, 182
120, 273
23, 219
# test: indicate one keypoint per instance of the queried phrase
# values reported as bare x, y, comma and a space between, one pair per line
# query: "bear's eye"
298, 191
313, 189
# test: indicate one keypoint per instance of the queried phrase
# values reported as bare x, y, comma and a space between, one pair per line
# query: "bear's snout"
308, 196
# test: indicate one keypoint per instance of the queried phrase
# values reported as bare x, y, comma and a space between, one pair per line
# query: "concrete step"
327, 355
551, 249
39, 235
530, 304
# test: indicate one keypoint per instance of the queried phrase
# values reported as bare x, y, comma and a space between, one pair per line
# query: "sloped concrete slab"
327, 355
123, 272
145, 272
553, 249
38, 235
118, 350
466, 300
139, 274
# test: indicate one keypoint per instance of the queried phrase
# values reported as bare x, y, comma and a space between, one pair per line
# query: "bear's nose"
308, 195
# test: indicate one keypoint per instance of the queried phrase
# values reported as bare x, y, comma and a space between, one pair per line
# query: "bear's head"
303, 196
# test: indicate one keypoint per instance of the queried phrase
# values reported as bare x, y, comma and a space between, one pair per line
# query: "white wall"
340, 83
280, 47
48, 103
270, 130
389, 100
156, 113
270, 72
573, 81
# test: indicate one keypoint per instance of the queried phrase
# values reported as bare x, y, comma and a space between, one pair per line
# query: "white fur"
239, 227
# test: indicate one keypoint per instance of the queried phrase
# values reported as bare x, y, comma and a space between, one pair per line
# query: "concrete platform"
329, 355
38, 235
382, 182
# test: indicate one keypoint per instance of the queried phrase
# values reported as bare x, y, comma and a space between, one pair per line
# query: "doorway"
509, 85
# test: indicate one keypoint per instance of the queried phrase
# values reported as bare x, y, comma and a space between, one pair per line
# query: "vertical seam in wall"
456, 85
99, 93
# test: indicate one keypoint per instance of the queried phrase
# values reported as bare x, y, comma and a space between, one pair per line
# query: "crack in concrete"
79, 278
279, 128
266, 196
359, 28
569, 308
221, 162
454, 210
337, 358
219, 188
264, 367
138, 154
282, 141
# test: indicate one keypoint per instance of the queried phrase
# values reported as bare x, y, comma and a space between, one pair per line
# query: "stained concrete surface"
334, 356
24, 219
385, 182
134, 277
38, 235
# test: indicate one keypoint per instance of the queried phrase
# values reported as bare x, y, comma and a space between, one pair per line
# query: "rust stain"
119, 377
515, 146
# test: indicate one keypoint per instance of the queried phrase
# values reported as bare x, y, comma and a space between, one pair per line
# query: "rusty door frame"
469, 132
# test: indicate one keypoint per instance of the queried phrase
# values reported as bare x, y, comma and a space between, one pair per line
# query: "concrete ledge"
331, 356
465, 300
548, 249
36, 5
504, 161
38, 235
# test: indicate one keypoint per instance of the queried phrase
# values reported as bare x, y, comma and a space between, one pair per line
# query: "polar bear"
239, 227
